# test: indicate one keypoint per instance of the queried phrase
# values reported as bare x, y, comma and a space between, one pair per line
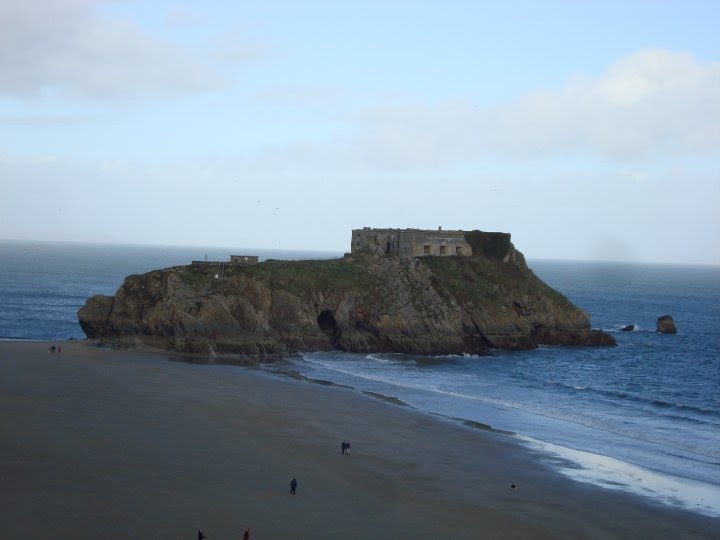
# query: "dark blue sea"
643, 416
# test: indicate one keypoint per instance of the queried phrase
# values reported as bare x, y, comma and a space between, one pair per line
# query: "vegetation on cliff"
362, 303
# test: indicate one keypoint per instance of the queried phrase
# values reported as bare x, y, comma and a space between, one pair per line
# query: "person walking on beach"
246, 536
293, 486
347, 448
201, 536
343, 446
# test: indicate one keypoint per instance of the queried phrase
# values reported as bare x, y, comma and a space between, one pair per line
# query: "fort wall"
411, 242
236, 260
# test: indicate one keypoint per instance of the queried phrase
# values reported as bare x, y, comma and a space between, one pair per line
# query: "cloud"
652, 104
47, 121
552, 212
69, 49
314, 96
179, 17
235, 47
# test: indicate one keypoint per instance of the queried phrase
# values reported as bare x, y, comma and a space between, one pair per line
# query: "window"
458, 251
426, 250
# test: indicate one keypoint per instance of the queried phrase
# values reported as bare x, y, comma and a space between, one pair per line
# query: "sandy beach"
97, 443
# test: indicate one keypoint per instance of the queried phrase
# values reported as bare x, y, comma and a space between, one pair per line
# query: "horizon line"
340, 253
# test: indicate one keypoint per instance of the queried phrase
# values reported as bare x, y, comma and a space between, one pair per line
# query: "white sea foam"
612, 473
376, 358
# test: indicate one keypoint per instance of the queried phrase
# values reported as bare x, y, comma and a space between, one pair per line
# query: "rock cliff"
361, 303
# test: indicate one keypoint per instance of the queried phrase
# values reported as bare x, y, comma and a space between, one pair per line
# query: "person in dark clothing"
201, 536
343, 446
246, 536
293, 486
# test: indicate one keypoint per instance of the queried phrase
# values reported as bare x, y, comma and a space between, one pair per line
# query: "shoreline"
129, 443
592, 468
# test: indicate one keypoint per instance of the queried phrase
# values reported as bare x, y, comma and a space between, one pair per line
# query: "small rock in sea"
666, 325
628, 328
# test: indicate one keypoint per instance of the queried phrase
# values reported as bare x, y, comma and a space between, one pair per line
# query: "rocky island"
398, 290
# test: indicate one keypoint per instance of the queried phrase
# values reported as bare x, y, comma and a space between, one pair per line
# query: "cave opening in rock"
329, 326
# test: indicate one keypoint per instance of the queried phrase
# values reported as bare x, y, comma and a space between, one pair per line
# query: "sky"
587, 130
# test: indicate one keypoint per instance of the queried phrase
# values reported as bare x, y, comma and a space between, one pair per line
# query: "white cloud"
634, 175
236, 47
69, 49
651, 104
179, 17
47, 120
314, 96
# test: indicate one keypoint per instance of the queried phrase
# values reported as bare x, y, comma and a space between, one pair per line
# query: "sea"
642, 417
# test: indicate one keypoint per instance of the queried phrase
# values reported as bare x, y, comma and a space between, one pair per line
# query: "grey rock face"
429, 305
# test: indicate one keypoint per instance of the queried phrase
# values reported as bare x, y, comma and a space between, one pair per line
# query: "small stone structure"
244, 260
411, 242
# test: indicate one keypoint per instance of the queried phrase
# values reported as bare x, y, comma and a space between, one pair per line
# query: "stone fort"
411, 242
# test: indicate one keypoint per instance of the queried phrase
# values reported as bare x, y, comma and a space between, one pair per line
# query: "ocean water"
642, 417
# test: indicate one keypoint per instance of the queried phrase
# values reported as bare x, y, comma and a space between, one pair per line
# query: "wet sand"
97, 443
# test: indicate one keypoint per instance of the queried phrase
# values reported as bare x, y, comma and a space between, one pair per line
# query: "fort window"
426, 250
443, 250
458, 250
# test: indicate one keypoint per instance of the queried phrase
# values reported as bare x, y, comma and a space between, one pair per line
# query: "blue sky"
588, 130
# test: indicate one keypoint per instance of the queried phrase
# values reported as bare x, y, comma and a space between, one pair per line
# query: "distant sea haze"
643, 416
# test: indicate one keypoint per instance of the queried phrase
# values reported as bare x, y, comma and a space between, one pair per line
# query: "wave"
377, 358
637, 330
681, 406
12, 338
431, 385
621, 328
612, 473
621, 395
25, 296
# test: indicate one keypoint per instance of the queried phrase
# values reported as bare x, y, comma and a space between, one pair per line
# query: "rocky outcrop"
361, 303
95, 314
628, 328
666, 325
